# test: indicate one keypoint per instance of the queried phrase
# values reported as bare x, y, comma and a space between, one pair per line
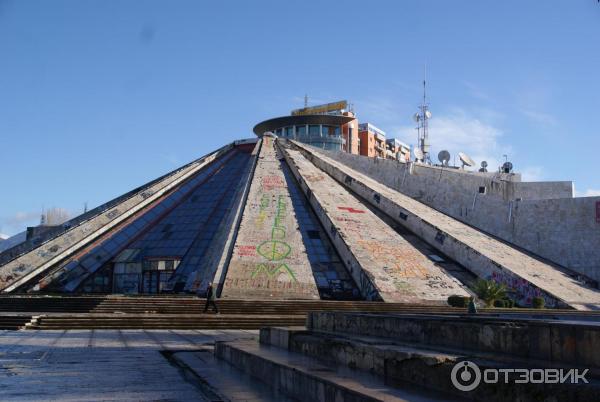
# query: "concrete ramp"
269, 258
383, 263
487, 257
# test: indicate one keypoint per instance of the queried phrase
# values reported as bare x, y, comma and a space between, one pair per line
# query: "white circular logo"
465, 376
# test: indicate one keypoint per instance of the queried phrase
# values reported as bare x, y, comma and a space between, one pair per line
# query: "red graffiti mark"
598, 211
249, 251
271, 182
352, 210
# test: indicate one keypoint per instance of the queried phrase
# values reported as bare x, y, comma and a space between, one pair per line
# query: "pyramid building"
276, 218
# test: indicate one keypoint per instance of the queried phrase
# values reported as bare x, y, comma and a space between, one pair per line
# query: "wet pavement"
101, 365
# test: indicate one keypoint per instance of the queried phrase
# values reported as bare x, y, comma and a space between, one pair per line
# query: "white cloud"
18, 222
588, 193
540, 118
476, 92
461, 131
532, 173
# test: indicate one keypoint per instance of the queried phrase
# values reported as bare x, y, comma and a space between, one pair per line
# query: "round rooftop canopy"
285, 121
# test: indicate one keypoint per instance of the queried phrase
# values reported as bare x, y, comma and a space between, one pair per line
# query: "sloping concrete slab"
27, 266
269, 258
381, 261
484, 255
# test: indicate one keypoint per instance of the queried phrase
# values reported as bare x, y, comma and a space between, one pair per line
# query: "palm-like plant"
489, 291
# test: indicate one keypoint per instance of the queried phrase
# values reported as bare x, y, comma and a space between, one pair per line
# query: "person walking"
210, 299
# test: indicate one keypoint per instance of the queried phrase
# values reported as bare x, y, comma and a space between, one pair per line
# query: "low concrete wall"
556, 342
540, 217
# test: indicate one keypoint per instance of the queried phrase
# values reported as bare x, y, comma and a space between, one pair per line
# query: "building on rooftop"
397, 149
330, 126
372, 141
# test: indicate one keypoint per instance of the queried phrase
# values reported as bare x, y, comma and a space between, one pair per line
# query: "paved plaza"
103, 365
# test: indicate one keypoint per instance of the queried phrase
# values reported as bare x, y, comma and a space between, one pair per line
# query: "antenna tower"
422, 118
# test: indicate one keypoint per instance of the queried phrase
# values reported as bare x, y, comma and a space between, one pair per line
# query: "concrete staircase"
12, 322
180, 312
366, 357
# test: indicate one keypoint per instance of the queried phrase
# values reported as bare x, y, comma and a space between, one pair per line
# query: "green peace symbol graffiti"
274, 250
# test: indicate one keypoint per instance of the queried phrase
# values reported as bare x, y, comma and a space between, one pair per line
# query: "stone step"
199, 321
307, 379
221, 381
13, 322
398, 363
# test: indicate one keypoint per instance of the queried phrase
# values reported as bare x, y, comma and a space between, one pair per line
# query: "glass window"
289, 132
314, 130
278, 132
337, 131
301, 130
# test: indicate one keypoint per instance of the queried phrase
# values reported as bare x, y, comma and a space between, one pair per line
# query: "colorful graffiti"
273, 271
397, 261
262, 211
521, 290
275, 249
269, 183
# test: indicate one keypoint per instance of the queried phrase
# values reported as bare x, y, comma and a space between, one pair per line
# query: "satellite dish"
428, 114
444, 157
465, 159
417, 117
418, 154
484, 166
507, 167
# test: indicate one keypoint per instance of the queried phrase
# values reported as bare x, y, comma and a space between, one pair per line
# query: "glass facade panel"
170, 234
314, 130
300, 131
331, 277
289, 132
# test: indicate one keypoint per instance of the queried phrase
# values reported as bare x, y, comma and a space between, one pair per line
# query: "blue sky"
97, 97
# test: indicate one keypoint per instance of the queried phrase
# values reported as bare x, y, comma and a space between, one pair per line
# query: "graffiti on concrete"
269, 183
398, 262
247, 251
521, 289
276, 249
273, 271
262, 211
352, 210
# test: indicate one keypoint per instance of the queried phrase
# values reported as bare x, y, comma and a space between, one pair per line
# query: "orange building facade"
372, 141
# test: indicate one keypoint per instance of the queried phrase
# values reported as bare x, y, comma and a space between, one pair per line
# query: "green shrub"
458, 301
489, 291
510, 303
500, 303
538, 302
